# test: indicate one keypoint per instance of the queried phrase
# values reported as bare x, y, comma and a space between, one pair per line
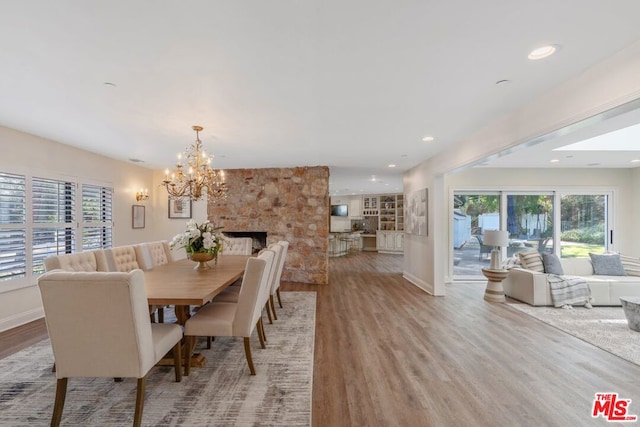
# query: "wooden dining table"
180, 285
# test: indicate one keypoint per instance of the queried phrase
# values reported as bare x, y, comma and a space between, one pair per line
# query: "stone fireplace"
259, 238
289, 204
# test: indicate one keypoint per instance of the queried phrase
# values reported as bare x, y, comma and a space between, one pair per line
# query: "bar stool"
356, 243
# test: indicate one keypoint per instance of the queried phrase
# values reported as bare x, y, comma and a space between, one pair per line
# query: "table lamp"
497, 239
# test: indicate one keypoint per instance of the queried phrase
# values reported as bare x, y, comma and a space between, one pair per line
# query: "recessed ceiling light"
392, 165
554, 160
635, 161
593, 164
110, 84
136, 160
542, 52
502, 82
428, 138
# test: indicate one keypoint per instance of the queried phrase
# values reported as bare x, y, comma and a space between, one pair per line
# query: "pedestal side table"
494, 291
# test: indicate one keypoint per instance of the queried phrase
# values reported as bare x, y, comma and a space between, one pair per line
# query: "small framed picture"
137, 216
179, 208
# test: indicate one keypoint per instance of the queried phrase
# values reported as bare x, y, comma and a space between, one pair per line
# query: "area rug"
604, 327
221, 393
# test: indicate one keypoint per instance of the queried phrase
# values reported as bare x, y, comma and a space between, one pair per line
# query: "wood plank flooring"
388, 354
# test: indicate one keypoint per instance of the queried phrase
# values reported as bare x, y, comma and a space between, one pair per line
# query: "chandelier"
194, 175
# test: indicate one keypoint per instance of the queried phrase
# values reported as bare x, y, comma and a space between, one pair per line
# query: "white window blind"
42, 216
97, 217
53, 206
13, 214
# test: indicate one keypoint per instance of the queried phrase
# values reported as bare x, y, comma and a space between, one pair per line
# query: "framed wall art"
416, 212
137, 216
179, 208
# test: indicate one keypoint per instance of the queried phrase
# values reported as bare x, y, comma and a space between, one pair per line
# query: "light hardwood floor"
388, 354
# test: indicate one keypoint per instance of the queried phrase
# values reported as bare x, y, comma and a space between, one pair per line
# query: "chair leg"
188, 349
177, 360
152, 317
137, 418
208, 343
273, 307
261, 334
58, 406
247, 352
160, 314
266, 306
278, 294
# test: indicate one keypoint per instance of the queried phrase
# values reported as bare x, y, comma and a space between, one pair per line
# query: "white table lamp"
497, 239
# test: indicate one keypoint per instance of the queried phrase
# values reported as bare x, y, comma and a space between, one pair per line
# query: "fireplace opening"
259, 238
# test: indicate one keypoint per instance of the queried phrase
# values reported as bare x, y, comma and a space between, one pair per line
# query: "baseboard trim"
21, 319
417, 282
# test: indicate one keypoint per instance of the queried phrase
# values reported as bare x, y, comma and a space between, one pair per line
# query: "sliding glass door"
584, 224
530, 223
473, 213
570, 224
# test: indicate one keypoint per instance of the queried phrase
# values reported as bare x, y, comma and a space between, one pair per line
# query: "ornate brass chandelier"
196, 176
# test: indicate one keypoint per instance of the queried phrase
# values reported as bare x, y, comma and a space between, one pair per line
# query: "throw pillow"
552, 264
631, 265
607, 264
531, 261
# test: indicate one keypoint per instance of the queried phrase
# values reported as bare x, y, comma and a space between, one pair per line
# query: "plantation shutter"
54, 219
97, 217
13, 235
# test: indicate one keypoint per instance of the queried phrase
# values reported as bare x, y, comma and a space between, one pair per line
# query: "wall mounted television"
339, 210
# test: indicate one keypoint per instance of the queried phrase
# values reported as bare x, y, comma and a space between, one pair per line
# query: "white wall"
22, 153
610, 83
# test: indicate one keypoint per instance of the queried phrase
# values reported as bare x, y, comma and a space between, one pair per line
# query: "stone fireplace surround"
289, 204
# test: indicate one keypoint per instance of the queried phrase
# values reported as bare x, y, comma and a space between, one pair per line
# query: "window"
568, 223
54, 220
584, 224
96, 217
13, 232
39, 218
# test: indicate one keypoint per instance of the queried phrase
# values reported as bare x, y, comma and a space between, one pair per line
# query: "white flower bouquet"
199, 238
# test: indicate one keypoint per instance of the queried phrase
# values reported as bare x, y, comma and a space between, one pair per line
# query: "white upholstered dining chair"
228, 319
148, 256
275, 287
98, 324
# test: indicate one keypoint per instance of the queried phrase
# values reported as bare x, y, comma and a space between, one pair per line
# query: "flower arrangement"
199, 238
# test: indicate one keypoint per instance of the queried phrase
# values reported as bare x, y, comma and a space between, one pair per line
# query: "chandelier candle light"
497, 239
199, 176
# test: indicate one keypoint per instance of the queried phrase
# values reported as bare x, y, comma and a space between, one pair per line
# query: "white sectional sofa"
532, 287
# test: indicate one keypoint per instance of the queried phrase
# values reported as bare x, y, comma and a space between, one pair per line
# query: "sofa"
532, 287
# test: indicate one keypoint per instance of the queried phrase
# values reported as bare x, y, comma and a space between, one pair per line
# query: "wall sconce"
142, 195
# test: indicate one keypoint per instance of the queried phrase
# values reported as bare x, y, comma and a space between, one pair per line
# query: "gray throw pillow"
607, 264
552, 264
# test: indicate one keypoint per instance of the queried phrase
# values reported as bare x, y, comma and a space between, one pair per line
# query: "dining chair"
148, 256
98, 325
121, 259
237, 246
231, 293
275, 289
227, 319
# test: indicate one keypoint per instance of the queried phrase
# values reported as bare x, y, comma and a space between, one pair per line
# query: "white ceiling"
353, 85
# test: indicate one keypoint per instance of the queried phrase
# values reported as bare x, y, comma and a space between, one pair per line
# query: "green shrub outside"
592, 235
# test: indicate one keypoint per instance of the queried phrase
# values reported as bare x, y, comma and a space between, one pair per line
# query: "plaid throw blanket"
568, 290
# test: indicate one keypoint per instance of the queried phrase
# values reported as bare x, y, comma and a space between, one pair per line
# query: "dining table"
180, 285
